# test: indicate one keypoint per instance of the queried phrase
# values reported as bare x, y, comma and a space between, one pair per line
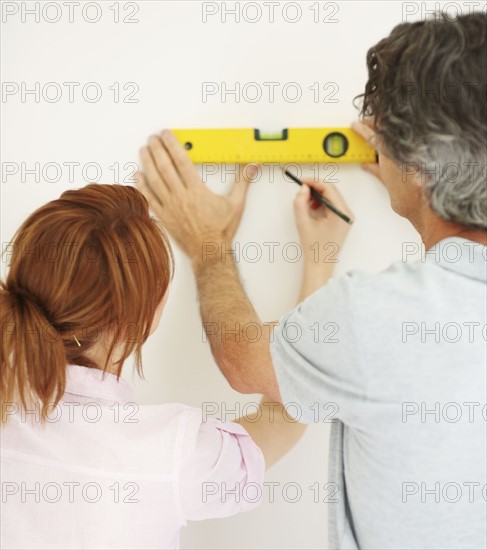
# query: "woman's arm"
272, 429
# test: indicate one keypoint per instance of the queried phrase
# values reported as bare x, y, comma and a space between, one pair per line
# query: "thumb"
372, 168
301, 201
245, 175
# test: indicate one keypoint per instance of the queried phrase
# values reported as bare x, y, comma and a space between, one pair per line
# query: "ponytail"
32, 356
90, 267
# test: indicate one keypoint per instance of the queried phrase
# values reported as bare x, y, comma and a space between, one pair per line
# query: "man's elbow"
251, 382
241, 384
242, 380
249, 374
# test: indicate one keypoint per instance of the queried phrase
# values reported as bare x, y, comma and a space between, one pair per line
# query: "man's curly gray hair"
427, 92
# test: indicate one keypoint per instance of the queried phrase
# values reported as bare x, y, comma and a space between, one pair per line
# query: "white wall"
169, 53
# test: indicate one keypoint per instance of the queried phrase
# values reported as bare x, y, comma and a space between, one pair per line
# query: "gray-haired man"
408, 372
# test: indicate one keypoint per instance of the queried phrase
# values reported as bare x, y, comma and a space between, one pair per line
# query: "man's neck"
433, 229
433, 235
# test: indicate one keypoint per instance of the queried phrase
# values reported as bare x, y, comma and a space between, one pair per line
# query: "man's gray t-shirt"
399, 359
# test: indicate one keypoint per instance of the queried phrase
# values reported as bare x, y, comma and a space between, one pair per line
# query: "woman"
82, 465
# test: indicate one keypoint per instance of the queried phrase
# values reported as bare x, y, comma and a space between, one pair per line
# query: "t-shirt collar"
463, 256
92, 382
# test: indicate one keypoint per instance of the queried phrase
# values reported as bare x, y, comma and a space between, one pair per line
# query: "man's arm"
196, 217
227, 315
226, 312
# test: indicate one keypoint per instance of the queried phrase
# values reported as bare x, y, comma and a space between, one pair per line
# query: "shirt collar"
463, 256
92, 382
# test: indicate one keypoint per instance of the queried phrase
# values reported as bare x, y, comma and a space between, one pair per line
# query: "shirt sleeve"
316, 353
222, 469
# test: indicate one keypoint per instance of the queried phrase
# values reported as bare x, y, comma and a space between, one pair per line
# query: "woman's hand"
186, 207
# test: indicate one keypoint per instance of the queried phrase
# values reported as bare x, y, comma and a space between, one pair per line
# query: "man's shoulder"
398, 276
437, 270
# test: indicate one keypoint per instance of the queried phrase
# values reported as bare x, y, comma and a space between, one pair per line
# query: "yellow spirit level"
299, 145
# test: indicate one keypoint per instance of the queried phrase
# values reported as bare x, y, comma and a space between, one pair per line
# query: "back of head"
90, 263
427, 92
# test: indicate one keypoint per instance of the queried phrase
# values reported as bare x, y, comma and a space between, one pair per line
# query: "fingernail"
252, 170
164, 133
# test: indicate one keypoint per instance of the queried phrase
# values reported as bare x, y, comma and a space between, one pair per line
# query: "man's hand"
366, 130
317, 224
321, 232
186, 207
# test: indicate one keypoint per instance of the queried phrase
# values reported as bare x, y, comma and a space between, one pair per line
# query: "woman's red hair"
92, 262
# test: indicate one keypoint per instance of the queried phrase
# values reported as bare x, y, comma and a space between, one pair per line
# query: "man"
405, 372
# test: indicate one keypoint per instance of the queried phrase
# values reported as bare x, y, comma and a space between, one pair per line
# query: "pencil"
320, 198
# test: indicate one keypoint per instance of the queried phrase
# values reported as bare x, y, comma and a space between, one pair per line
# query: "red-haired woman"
82, 465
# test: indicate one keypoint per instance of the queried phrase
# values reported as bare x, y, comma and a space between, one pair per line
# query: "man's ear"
412, 174
420, 180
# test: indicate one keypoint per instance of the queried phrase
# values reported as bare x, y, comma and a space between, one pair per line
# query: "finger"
368, 121
141, 185
180, 159
314, 204
372, 168
245, 175
365, 131
333, 194
302, 201
152, 177
328, 190
319, 187
164, 164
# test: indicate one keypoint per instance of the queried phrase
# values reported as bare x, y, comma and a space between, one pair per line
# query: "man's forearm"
228, 318
314, 277
318, 266
227, 314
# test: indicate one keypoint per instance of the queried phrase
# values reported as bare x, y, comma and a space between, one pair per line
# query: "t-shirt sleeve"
221, 471
316, 353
